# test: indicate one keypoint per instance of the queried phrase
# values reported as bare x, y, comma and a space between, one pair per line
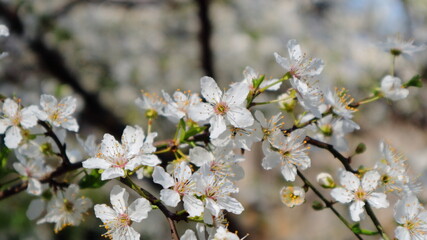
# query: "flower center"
221, 108
120, 162
124, 220
69, 206
360, 194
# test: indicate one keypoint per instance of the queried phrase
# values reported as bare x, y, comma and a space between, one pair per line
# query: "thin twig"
62, 147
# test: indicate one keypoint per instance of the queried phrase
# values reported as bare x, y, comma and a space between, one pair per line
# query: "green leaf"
257, 81
193, 131
414, 82
182, 126
356, 229
92, 180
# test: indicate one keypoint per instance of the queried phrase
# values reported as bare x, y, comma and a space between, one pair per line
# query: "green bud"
289, 102
151, 114
360, 148
256, 82
395, 52
317, 205
326, 180
326, 130
414, 82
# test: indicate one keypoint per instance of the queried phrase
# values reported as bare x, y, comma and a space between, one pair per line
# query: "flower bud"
325, 180
317, 205
360, 148
151, 114
289, 102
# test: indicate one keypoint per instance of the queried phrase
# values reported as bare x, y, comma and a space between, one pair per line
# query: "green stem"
284, 78
377, 223
368, 100
327, 203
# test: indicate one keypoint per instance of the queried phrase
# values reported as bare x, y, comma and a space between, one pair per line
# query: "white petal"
378, 200
284, 62
200, 156
138, 210
150, 160
370, 180
4, 124
35, 209
112, 172
13, 137
193, 205
96, 163
189, 235
236, 95
71, 124
132, 139
261, 118
356, 210
210, 90
342, 195
349, 181
200, 112
29, 118
402, 233
68, 105
119, 199
170, 197
182, 172
231, 205
48, 102
271, 160
213, 207
10, 108
294, 50
110, 147
289, 172
240, 117
266, 83
160, 176
218, 126
34, 187
105, 213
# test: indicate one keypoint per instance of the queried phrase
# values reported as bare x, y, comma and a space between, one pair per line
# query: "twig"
62, 147
327, 203
374, 219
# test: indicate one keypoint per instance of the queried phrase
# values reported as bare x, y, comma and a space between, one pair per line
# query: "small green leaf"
92, 180
414, 82
356, 229
257, 81
193, 131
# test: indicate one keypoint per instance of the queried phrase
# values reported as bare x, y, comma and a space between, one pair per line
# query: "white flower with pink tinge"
115, 158
59, 113
222, 108
118, 219
13, 119
358, 191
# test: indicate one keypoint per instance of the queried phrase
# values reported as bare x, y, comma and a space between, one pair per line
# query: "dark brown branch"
344, 160
62, 147
205, 36
53, 62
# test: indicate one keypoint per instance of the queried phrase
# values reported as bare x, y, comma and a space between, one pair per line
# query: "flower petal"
193, 205
370, 180
342, 195
160, 176
170, 197
119, 199
112, 172
210, 90
240, 117
356, 210
138, 210
96, 163
13, 137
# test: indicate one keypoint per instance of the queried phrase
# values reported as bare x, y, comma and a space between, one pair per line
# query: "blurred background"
105, 51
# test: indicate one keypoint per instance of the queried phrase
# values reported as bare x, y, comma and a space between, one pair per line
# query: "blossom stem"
154, 201
374, 219
368, 100
272, 101
62, 147
284, 78
327, 203
150, 123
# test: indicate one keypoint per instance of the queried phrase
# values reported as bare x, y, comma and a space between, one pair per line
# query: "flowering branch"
62, 147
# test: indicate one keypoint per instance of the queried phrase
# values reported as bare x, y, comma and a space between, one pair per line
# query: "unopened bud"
414, 82
360, 148
289, 102
326, 129
317, 205
326, 180
151, 114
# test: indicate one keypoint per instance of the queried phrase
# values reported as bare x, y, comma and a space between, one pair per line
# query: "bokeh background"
105, 51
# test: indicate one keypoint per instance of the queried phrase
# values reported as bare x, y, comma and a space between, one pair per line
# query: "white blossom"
289, 152
220, 108
178, 105
59, 114
292, 196
358, 191
250, 74
397, 46
118, 219
66, 209
179, 185
412, 219
392, 88
133, 152
13, 119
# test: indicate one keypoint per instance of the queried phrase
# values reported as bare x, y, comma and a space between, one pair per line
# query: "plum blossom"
358, 191
292, 196
412, 219
288, 152
59, 114
250, 74
397, 46
298, 64
152, 104
178, 105
392, 88
309, 95
13, 119
66, 209
118, 219
182, 185
222, 108
133, 152
242, 138
268, 127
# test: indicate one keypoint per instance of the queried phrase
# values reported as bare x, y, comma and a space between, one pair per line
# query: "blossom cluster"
214, 130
